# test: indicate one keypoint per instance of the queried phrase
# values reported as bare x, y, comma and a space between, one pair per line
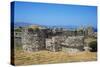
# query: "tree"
18, 30
93, 46
75, 32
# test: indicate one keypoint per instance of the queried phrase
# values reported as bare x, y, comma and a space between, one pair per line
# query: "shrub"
18, 30
33, 29
30, 29
93, 46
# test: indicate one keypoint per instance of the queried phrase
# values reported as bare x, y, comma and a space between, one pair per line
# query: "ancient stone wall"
74, 43
33, 40
58, 42
53, 44
17, 39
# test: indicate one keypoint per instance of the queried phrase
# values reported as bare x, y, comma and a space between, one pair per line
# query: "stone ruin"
36, 40
53, 44
46, 39
33, 40
61, 43
73, 44
17, 38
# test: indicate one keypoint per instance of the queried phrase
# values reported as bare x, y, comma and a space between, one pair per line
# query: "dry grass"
44, 57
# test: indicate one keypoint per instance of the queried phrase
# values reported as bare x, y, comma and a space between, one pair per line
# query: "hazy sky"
55, 14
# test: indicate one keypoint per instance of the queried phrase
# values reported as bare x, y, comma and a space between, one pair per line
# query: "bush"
33, 29
18, 30
93, 46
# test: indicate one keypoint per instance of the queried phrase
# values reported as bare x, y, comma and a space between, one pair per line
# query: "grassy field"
47, 57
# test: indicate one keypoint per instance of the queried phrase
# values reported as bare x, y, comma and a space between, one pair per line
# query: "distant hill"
16, 25
21, 24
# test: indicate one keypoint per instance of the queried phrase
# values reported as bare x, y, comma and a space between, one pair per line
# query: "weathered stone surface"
33, 40
53, 44
51, 39
17, 39
73, 42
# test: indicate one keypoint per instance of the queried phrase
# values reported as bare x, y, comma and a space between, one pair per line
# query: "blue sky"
55, 14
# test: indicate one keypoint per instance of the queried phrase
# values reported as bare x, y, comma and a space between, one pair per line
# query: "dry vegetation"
44, 57
48, 57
